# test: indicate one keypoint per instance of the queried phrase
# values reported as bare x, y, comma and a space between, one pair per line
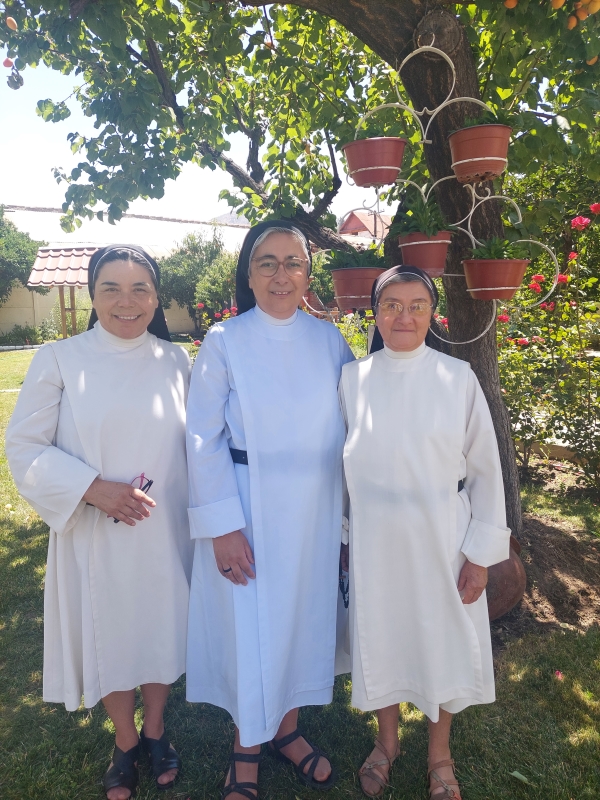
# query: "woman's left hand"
471, 582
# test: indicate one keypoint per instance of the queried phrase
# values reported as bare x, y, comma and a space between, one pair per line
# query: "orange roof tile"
64, 266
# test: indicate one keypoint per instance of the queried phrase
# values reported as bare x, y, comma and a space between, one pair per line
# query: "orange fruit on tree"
11, 23
582, 13
594, 7
511, 3
557, 3
571, 22
592, 61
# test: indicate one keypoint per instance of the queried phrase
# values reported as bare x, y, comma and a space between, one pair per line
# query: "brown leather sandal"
369, 770
449, 793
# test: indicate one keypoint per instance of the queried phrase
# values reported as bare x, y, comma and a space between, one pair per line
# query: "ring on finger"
227, 570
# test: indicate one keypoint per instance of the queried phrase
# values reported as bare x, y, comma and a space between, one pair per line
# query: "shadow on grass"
542, 727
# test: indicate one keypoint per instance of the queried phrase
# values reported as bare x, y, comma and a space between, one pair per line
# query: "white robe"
416, 426
262, 649
116, 597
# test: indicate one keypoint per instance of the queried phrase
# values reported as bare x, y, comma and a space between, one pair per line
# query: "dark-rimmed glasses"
140, 482
268, 266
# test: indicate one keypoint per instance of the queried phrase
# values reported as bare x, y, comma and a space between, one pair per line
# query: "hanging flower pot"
426, 252
479, 153
352, 286
494, 278
374, 162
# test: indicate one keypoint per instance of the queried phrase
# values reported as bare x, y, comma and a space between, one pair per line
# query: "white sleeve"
345, 495
51, 480
487, 540
215, 507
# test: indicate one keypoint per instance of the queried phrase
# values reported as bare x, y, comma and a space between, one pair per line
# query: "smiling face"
404, 332
281, 294
124, 298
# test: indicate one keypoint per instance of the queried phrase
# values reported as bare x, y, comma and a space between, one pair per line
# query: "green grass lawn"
544, 728
13, 366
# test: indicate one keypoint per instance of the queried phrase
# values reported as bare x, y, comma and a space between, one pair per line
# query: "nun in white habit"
265, 439
96, 444
427, 518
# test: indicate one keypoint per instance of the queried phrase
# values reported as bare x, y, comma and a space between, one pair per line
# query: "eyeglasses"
140, 482
269, 266
389, 308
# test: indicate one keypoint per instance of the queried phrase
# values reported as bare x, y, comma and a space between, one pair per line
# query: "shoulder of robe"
71, 343
321, 327
172, 350
359, 363
451, 363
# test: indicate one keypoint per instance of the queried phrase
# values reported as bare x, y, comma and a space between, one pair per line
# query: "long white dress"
270, 389
416, 426
116, 597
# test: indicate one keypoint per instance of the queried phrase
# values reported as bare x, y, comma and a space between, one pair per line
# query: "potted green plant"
496, 269
353, 275
374, 161
421, 232
479, 149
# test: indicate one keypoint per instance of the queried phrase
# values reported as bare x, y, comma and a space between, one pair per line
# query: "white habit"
416, 426
270, 389
116, 597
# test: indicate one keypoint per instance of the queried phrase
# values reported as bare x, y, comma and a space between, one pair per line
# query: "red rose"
535, 287
503, 318
200, 305
544, 305
444, 321
217, 315
197, 342
524, 342
562, 278
225, 311
580, 223
538, 278
573, 256
573, 304
551, 306
233, 309
595, 208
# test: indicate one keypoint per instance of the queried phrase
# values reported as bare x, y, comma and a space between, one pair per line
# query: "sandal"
369, 770
245, 788
163, 758
449, 793
275, 747
123, 772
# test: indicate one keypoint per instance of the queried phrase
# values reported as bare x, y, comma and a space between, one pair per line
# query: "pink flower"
503, 318
200, 305
538, 278
544, 306
217, 315
233, 309
573, 304
580, 223
444, 321
197, 342
558, 675
551, 306
538, 339
225, 311
535, 287
595, 208
562, 278
523, 342
573, 256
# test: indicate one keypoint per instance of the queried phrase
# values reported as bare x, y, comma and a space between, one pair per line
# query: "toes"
323, 770
167, 777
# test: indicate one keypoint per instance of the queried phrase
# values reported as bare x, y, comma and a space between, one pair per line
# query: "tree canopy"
17, 257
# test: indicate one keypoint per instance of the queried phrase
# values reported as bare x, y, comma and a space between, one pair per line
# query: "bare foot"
380, 758
119, 792
446, 774
299, 749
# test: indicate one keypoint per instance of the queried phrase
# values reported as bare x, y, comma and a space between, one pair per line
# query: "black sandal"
275, 747
245, 787
123, 773
163, 758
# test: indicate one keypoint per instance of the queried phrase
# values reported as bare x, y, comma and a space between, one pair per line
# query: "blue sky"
30, 148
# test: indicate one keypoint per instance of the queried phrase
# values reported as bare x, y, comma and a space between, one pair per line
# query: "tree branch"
159, 71
325, 201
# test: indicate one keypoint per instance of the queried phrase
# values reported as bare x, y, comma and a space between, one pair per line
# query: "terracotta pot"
427, 252
374, 162
506, 583
353, 286
314, 302
479, 153
494, 278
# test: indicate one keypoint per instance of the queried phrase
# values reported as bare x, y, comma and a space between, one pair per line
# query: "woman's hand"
234, 557
471, 582
119, 500
345, 557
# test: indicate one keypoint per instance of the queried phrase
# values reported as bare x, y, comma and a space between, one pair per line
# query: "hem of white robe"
72, 701
250, 737
431, 710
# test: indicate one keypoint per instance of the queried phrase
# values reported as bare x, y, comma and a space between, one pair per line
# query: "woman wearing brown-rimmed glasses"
96, 444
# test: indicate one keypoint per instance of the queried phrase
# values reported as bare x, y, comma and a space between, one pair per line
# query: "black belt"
239, 456
461, 485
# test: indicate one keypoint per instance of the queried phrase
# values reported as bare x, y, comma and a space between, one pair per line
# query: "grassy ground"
543, 726
13, 366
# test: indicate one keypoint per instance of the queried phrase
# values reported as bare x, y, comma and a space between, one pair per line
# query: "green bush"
22, 335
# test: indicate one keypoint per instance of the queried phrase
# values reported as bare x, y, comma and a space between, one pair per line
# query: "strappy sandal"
449, 793
123, 772
275, 747
245, 788
163, 758
369, 770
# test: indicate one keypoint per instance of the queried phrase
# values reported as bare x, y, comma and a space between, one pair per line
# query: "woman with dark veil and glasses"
96, 445
427, 518
265, 438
